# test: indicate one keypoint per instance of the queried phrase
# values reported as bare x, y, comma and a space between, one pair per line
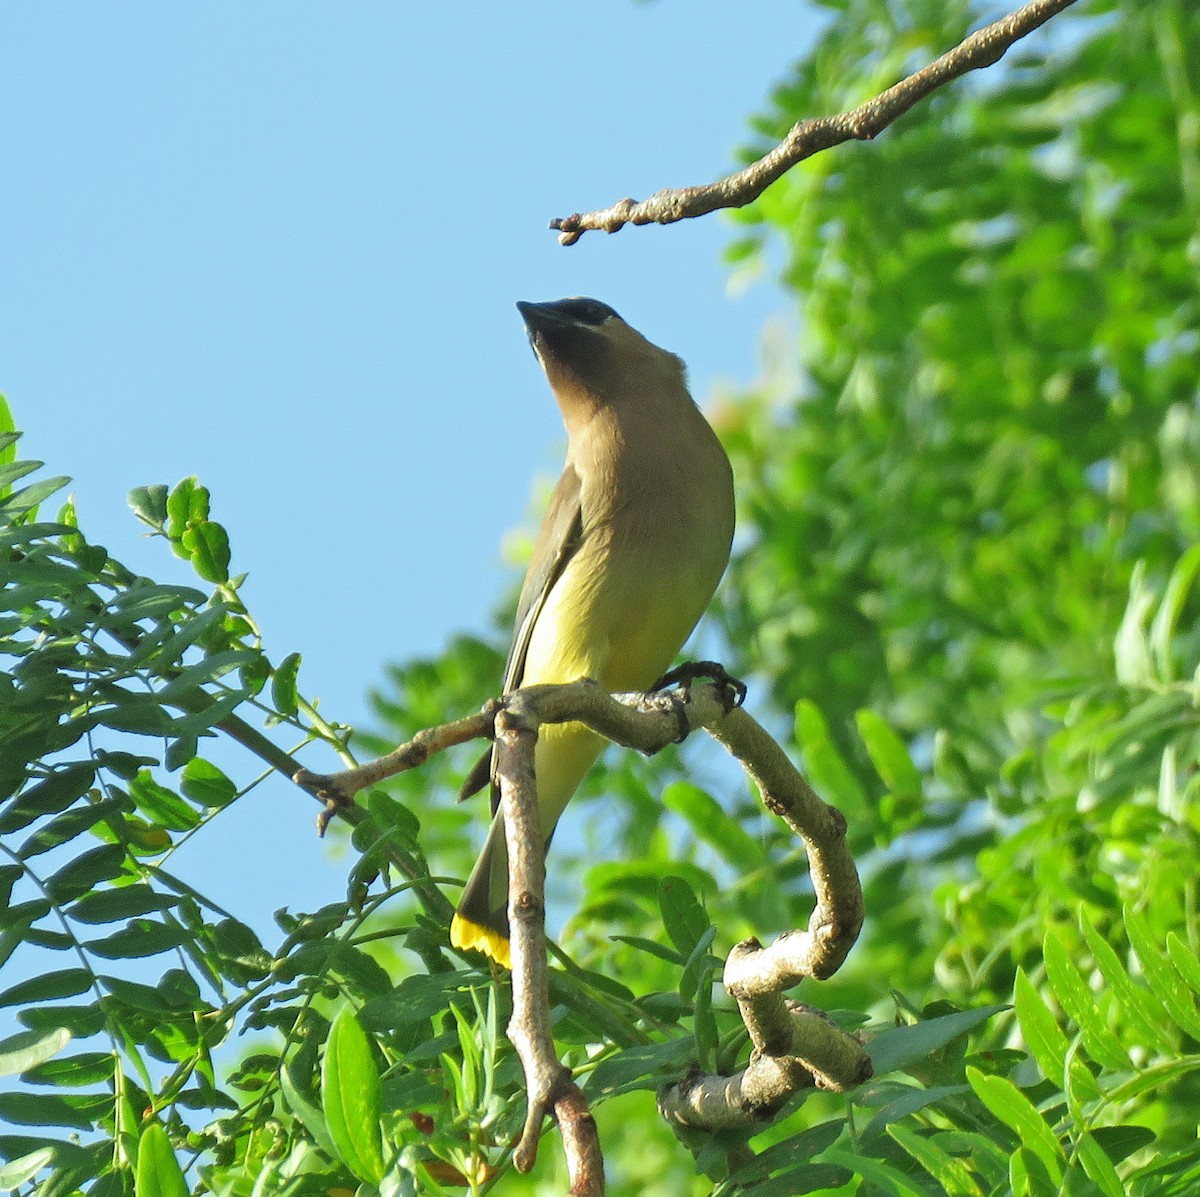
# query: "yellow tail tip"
471, 936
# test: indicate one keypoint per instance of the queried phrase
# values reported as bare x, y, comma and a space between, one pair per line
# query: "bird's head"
592, 358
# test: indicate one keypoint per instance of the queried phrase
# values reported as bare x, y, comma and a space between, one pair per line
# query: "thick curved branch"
809, 137
794, 1046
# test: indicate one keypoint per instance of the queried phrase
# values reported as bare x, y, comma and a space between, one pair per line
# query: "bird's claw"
735, 689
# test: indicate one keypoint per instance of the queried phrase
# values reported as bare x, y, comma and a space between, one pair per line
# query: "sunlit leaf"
158, 1172
350, 1097
28, 1049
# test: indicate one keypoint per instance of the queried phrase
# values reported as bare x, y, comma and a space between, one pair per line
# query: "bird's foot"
733, 691
714, 671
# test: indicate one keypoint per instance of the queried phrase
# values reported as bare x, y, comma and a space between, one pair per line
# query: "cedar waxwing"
631, 548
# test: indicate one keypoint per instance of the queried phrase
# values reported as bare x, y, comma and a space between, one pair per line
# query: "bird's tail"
481, 921
565, 752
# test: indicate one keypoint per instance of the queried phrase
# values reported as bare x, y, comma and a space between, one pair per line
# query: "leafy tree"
967, 581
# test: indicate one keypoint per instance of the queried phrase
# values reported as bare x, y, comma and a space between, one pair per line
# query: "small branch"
645, 722
808, 137
337, 790
837, 918
548, 1085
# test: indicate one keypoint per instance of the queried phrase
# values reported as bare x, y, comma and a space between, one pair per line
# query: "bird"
633, 543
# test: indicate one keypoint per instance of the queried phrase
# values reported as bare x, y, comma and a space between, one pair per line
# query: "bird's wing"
558, 540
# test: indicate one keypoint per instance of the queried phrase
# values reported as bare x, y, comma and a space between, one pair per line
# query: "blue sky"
277, 246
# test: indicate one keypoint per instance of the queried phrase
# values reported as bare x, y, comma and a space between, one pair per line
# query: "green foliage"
129, 983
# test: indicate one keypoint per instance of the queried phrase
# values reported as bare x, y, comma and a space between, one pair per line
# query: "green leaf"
1162, 627
86, 872
1131, 647
1164, 981
1028, 1176
898, 1047
1043, 1036
823, 763
16, 1172
81, 1021
48, 987
889, 755
184, 688
283, 685
1017, 1112
187, 501
642, 1067
1184, 960
640, 944
80, 1111
142, 937
162, 806
149, 504
79, 1070
140, 997
166, 645
875, 1172
18, 469
208, 544
908, 1102
68, 825
158, 1172
115, 905
8, 432
1120, 1142
27, 499
49, 797
794, 1182
953, 1175
22, 914
806, 1145
712, 825
351, 1098
28, 1049
1143, 1010
204, 783
1098, 1166
304, 1109
138, 714
683, 917
9, 876
1076, 1000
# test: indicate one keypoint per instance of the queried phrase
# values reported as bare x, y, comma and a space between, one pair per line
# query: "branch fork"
794, 1046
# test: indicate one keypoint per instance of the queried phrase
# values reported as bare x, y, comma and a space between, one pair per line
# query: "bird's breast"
656, 541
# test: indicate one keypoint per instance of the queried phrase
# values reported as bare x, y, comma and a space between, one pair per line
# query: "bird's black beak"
544, 317
547, 325
565, 328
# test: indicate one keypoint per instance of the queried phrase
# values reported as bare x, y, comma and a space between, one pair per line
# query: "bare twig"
337, 790
646, 722
809, 137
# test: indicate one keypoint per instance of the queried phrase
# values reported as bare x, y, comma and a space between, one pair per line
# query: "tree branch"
794, 1046
548, 1085
809, 137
